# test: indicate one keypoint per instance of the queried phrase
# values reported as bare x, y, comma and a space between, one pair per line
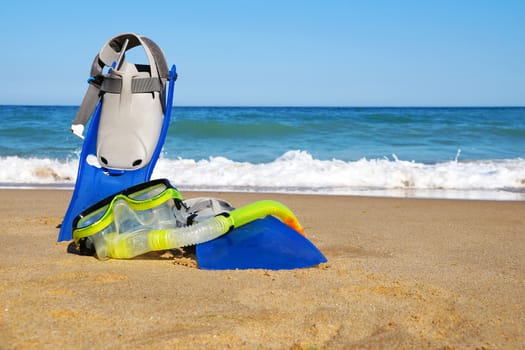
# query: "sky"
278, 52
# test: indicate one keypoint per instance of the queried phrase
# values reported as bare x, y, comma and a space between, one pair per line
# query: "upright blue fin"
95, 182
262, 244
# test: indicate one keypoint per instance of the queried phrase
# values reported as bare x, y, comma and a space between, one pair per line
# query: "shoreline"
476, 195
401, 273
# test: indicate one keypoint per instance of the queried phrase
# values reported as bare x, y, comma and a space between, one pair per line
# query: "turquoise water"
426, 135
301, 149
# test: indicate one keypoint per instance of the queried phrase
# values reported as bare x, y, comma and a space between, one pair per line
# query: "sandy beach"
401, 273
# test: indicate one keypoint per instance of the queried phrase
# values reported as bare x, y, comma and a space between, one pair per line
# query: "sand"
401, 273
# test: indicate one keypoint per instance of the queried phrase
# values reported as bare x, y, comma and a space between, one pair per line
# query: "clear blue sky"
278, 52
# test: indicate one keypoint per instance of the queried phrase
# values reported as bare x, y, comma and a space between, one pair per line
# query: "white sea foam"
39, 171
299, 172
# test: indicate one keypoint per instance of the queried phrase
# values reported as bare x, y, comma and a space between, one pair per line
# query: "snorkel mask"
153, 216
147, 206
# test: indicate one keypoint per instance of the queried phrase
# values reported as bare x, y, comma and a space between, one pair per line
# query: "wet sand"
401, 273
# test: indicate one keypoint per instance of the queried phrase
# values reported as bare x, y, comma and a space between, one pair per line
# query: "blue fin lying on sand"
130, 107
262, 244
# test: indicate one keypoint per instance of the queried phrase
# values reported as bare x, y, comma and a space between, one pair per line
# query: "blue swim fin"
124, 139
262, 244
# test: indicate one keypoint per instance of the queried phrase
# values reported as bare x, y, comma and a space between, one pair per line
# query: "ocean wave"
297, 171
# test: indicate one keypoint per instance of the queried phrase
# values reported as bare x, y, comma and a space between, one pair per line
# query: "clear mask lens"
127, 220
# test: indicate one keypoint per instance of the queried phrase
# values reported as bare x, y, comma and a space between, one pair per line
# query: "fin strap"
112, 50
138, 85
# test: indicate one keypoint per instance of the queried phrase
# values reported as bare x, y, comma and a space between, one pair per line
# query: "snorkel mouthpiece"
126, 245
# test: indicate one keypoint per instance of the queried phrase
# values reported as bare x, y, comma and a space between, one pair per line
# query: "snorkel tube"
129, 245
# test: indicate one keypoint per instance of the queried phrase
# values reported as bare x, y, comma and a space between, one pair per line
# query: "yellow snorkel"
129, 245
261, 209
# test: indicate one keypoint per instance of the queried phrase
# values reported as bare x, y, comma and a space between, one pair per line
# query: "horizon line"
291, 106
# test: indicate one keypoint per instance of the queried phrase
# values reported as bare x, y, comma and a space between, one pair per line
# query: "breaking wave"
298, 172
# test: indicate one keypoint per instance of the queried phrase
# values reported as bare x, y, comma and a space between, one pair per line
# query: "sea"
454, 153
